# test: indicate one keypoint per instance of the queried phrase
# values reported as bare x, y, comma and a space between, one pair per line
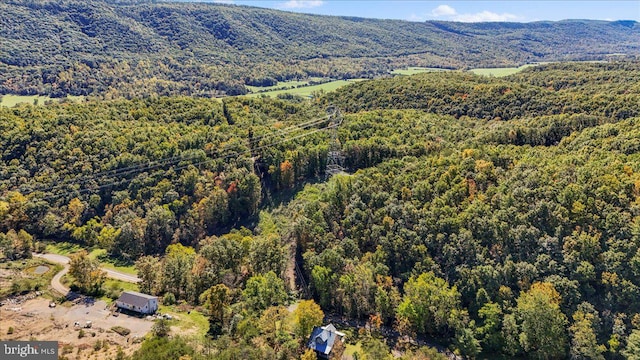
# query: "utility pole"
335, 156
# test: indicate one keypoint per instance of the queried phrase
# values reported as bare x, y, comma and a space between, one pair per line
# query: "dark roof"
323, 338
135, 298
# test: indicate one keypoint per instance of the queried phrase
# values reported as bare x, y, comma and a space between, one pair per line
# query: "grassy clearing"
66, 249
500, 72
110, 263
62, 248
27, 266
130, 269
283, 85
20, 276
192, 322
13, 100
306, 91
113, 288
120, 285
278, 86
415, 70
352, 349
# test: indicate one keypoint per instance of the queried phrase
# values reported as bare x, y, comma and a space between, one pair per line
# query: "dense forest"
113, 49
496, 217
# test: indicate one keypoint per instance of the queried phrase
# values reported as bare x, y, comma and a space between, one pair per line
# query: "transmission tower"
335, 156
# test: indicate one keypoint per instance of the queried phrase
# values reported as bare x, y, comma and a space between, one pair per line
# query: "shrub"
113, 294
160, 328
67, 349
169, 299
120, 354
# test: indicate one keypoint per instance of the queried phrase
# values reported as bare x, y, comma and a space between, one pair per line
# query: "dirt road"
63, 260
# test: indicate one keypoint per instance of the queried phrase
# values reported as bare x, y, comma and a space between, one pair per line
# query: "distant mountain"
133, 48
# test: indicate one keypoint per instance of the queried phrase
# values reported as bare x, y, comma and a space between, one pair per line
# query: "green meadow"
305, 91
415, 70
283, 85
13, 100
500, 72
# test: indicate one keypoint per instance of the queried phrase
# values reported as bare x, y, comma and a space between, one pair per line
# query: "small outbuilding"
137, 302
324, 339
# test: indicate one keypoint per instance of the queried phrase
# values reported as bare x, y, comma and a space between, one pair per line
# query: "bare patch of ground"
35, 319
5, 278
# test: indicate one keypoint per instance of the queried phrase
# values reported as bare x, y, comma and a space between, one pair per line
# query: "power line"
236, 154
124, 181
168, 161
175, 159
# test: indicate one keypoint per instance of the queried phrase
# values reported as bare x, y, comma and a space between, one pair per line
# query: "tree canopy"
499, 217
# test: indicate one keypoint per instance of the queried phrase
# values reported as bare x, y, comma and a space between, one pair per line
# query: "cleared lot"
34, 318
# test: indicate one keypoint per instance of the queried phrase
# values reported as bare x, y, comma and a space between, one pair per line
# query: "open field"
496, 72
307, 90
110, 263
13, 100
67, 248
186, 322
283, 85
499, 72
412, 70
62, 248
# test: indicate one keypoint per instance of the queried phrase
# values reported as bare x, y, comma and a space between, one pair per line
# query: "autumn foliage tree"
87, 273
429, 304
216, 301
307, 315
543, 333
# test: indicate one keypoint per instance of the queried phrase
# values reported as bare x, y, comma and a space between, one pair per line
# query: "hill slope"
465, 219
101, 47
542, 90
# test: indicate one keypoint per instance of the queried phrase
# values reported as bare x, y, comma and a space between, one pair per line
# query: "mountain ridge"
207, 49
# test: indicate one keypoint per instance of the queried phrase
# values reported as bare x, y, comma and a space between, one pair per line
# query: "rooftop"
323, 338
135, 298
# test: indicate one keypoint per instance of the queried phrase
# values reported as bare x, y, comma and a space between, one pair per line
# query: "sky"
467, 11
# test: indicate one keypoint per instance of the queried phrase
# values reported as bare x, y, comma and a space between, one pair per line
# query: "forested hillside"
137, 48
498, 217
607, 90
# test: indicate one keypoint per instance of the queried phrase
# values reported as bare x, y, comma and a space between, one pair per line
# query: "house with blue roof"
325, 339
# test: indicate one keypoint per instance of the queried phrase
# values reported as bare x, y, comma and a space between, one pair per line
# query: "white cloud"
485, 16
446, 11
301, 4
443, 10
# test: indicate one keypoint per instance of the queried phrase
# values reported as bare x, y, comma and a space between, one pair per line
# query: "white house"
138, 302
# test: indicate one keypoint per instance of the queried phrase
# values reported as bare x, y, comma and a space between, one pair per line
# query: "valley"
215, 181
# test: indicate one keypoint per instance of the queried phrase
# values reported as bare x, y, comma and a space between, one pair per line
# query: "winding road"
57, 285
